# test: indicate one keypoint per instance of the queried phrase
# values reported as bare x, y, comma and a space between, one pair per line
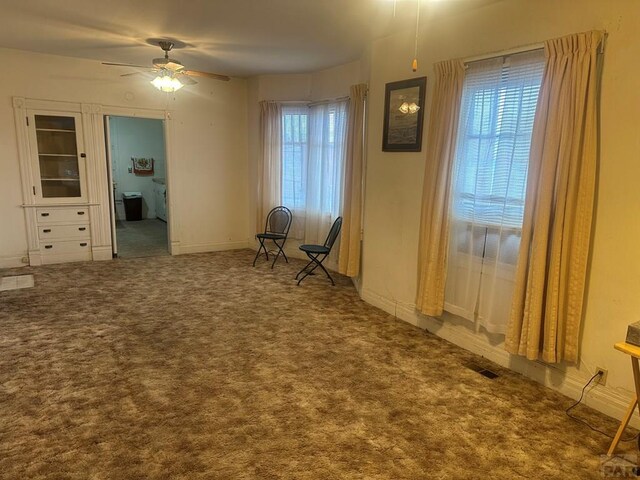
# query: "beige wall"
394, 180
209, 145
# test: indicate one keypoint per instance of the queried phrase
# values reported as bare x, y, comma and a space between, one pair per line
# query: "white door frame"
111, 111
112, 200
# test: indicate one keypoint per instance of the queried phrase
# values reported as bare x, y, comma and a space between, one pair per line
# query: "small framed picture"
403, 115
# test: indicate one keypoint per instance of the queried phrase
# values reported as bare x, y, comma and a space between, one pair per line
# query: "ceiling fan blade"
196, 73
125, 65
168, 63
185, 79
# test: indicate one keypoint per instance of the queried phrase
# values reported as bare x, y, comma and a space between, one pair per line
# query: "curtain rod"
522, 49
310, 103
328, 100
504, 53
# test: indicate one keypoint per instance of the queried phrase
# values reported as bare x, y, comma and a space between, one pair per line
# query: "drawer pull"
82, 229
83, 244
44, 214
80, 213
48, 246
46, 230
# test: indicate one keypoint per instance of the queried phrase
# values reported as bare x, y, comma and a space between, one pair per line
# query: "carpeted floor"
201, 367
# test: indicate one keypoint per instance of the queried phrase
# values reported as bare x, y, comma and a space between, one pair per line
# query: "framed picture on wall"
403, 115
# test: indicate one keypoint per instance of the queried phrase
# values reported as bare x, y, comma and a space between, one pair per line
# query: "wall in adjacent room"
208, 146
394, 180
138, 138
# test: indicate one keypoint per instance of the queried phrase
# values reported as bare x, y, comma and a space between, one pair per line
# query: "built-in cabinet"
58, 172
64, 181
64, 234
57, 151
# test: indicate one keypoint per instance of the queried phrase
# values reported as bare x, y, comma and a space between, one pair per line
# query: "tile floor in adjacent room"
143, 238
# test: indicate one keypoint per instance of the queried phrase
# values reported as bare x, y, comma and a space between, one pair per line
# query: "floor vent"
488, 374
16, 282
481, 370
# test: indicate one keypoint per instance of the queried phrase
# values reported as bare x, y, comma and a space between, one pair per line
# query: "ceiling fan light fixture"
166, 83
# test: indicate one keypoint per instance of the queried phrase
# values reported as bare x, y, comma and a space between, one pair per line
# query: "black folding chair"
276, 229
317, 253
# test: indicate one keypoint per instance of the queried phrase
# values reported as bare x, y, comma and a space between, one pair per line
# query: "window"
498, 107
313, 149
326, 158
295, 150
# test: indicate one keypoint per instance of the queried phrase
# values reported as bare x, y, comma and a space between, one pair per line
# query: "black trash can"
132, 206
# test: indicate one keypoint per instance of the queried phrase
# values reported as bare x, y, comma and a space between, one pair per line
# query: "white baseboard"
607, 400
35, 259
12, 261
207, 247
100, 253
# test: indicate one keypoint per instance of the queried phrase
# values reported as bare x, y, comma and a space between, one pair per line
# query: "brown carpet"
201, 367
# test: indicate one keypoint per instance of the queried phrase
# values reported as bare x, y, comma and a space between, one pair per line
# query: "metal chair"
318, 253
276, 229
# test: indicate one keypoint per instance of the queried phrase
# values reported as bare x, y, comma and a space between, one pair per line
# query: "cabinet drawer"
65, 251
63, 232
62, 215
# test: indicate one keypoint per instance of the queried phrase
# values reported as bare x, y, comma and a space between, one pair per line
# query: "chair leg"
325, 271
259, 249
306, 274
280, 251
304, 269
317, 264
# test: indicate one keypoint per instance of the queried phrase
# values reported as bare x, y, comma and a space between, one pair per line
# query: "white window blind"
295, 151
498, 107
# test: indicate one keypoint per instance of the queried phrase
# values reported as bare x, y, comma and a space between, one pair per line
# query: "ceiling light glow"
166, 82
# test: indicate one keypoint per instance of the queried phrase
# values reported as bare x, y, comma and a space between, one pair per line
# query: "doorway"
136, 156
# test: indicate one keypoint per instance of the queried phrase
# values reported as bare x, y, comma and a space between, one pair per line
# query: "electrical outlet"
603, 378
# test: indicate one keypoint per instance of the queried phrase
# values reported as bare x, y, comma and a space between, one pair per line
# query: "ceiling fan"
171, 75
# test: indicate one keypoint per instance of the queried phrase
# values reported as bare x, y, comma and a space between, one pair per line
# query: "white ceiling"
232, 37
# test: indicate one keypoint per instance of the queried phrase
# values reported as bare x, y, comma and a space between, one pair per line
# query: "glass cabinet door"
59, 164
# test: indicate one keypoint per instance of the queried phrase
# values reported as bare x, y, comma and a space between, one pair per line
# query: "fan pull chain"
414, 64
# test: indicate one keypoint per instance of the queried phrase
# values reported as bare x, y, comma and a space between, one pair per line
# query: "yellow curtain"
349, 259
434, 224
269, 165
546, 312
